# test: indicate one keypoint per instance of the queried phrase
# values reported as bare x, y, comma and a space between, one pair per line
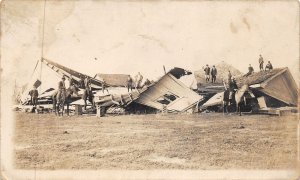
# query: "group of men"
268, 67
210, 71
137, 82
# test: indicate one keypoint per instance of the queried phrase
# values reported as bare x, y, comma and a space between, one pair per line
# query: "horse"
63, 98
239, 98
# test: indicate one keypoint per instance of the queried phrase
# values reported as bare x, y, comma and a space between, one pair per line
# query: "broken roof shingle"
258, 77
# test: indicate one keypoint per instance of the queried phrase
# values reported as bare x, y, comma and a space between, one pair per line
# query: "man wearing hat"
213, 74
61, 86
34, 96
207, 72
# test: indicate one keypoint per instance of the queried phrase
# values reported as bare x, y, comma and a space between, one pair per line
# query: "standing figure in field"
34, 94
213, 74
269, 66
261, 63
87, 93
60, 97
207, 72
129, 83
138, 80
239, 98
229, 95
232, 89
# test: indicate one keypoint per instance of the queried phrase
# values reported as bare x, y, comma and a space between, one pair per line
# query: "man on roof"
261, 63
213, 74
250, 70
269, 66
207, 72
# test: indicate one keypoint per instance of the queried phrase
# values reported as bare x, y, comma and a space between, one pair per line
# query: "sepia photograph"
128, 89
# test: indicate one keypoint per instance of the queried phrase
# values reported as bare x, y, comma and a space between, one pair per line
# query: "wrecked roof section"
277, 83
258, 77
169, 93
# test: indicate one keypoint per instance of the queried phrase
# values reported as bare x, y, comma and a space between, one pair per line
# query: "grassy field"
196, 141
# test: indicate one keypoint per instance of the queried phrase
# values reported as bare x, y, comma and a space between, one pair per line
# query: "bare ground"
198, 141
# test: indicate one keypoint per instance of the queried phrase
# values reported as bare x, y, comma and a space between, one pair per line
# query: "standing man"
207, 72
232, 88
34, 96
261, 63
213, 74
129, 83
61, 86
87, 85
269, 66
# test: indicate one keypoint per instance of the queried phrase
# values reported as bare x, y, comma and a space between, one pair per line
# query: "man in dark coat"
207, 72
232, 88
213, 74
129, 83
250, 70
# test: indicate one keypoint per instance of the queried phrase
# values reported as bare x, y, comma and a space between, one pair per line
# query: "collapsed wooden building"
270, 90
112, 95
167, 94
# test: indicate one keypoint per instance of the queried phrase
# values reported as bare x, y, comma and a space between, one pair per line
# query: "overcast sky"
127, 37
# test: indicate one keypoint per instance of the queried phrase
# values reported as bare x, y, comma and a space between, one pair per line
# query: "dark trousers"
129, 87
261, 66
213, 78
34, 101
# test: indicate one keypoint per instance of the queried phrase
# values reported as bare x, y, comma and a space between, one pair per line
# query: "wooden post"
100, 111
78, 109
